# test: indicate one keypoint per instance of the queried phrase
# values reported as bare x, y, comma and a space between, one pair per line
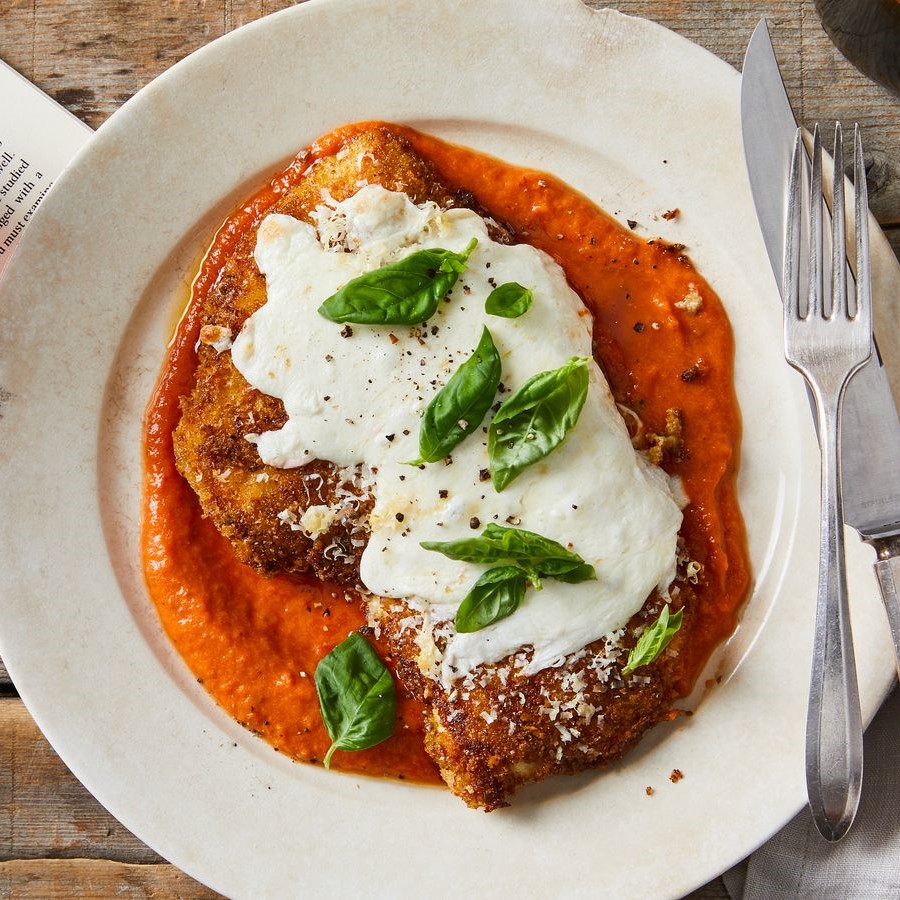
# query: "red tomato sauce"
254, 642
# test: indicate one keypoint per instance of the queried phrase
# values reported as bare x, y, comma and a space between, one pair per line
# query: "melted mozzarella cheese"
358, 398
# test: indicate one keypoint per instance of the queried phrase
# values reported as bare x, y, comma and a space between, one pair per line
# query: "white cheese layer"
358, 399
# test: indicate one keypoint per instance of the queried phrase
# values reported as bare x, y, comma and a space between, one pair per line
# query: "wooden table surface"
91, 56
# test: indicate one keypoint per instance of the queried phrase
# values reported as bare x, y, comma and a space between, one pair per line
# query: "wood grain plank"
116, 49
270, 6
62, 878
17, 35
65, 878
722, 28
6, 685
44, 810
240, 12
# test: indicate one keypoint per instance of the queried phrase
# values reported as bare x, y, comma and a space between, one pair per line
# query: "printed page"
37, 139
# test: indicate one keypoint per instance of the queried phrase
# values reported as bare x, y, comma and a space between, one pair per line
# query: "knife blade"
870, 440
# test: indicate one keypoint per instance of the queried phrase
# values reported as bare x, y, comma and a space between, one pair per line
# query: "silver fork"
827, 343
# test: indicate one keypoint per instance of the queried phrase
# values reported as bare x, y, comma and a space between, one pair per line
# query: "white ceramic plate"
637, 118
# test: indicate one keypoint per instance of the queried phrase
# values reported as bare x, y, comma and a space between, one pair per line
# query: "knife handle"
887, 569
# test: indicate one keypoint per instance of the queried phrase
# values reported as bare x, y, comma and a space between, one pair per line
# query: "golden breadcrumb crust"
240, 494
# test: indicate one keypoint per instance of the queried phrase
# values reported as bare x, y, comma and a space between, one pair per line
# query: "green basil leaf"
357, 696
406, 292
536, 554
532, 550
535, 420
460, 406
509, 300
473, 550
654, 640
575, 575
496, 595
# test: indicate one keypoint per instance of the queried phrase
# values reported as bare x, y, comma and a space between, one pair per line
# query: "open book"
37, 139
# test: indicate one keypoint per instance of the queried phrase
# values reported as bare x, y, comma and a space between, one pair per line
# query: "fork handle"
834, 746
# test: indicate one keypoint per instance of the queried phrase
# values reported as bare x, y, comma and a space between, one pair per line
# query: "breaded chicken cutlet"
240, 494
497, 728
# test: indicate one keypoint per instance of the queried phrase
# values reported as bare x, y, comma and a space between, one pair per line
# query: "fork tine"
838, 235
863, 269
814, 305
792, 238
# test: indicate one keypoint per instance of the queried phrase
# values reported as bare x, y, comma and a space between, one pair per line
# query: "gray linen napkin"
798, 863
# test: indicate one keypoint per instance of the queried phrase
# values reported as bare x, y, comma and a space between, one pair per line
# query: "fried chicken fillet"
494, 730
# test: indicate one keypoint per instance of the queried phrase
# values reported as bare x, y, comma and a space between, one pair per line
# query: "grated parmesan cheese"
216, 336
318, 519
692, 302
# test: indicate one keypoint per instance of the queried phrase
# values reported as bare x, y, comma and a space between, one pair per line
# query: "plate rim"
118, 121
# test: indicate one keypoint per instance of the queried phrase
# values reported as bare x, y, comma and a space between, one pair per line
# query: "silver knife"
870, 443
